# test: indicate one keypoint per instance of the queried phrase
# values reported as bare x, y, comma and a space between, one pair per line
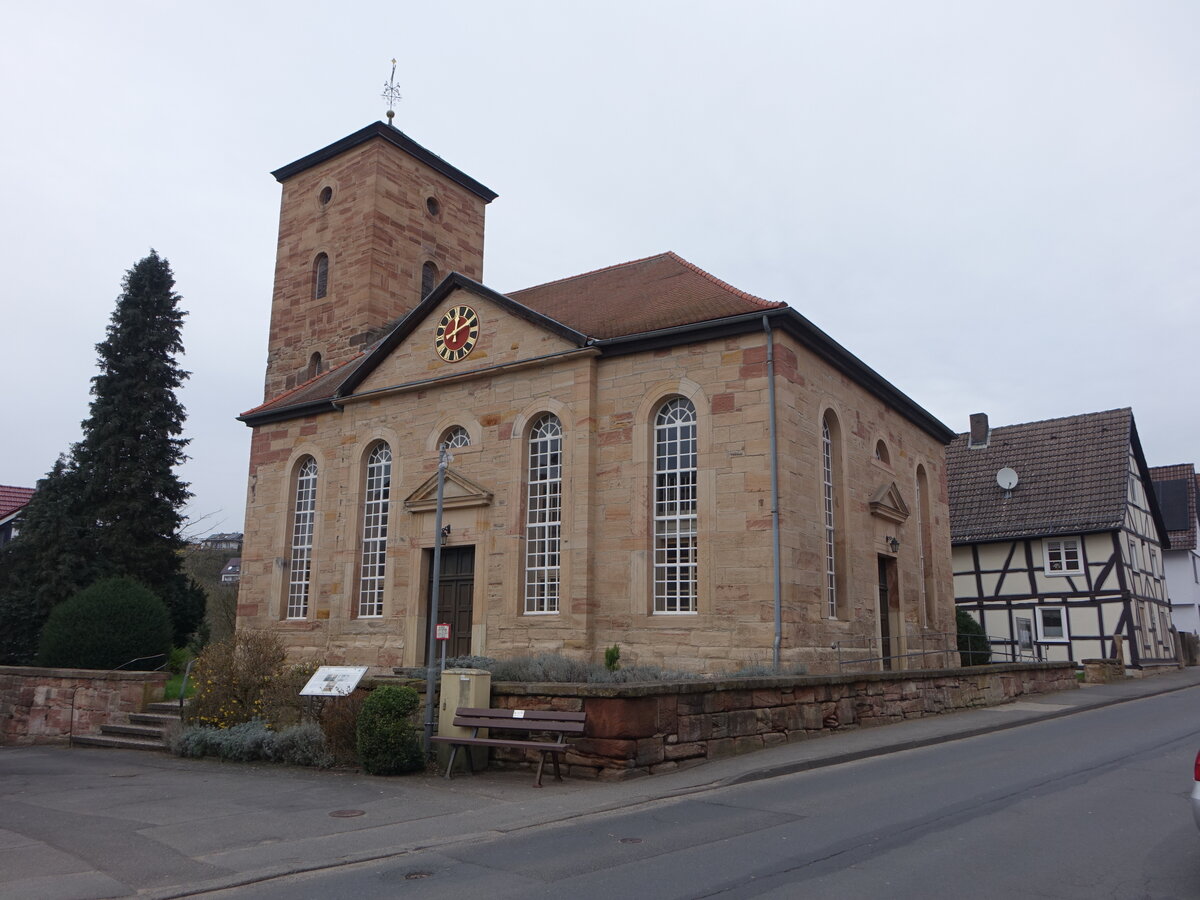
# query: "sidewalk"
92, 823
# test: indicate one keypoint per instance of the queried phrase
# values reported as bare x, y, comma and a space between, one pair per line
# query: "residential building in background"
13, 501
1058, 539
1177, 488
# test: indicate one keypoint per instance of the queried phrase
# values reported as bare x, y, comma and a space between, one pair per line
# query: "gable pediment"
886, 503
459, 492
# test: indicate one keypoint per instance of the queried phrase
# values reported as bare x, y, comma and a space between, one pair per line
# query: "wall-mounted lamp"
445, 533
893, 543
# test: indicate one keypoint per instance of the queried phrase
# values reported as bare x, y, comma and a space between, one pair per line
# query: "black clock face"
456, 333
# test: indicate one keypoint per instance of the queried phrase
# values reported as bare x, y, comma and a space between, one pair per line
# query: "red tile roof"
661, 291
1073, 478
13, 499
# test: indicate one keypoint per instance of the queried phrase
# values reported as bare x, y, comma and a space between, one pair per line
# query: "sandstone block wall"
646, 729
46, 706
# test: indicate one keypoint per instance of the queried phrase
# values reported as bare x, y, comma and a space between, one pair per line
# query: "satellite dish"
1007, 478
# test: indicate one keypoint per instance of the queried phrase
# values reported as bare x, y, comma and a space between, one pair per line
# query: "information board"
333, 681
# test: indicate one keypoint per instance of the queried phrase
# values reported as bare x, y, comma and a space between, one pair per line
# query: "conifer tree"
114, 507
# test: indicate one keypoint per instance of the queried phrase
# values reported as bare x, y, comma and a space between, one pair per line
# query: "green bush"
612, 658
388, 740
299, 745
974, 649
105, 625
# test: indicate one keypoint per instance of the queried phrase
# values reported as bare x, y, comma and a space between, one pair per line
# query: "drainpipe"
774, 493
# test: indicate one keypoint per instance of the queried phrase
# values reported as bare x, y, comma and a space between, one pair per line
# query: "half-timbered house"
1057, 539
1178, 491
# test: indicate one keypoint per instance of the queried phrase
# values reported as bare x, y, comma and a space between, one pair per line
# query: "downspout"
775, 650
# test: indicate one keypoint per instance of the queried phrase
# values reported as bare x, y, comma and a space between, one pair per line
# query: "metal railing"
868, 651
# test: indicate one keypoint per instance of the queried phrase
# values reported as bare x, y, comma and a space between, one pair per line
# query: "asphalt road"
1093, 805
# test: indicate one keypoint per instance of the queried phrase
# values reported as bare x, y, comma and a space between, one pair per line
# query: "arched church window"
455, 436
543, 516
376, 503
675, 508
429, 273
304, 510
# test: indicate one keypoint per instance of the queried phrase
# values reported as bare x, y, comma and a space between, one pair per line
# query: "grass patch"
171, 691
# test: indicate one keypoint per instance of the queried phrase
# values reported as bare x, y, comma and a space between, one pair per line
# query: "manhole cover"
347, 813
631, 840
412, 875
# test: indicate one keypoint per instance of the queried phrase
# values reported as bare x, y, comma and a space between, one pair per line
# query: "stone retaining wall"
638, 729
36, 704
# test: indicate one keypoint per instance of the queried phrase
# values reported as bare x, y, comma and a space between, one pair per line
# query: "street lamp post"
444, 460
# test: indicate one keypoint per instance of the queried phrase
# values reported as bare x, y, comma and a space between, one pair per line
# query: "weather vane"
391, 94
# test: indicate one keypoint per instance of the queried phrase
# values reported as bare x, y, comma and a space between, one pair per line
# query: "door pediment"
886, 503
460, 492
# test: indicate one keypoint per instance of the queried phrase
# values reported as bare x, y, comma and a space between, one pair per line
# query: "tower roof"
396, 138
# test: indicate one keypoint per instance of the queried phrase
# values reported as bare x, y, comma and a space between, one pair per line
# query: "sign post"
443, 636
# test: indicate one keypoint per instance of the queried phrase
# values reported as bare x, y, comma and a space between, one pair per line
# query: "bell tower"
367, 226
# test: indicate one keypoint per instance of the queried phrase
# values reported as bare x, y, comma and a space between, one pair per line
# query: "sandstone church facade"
612, 479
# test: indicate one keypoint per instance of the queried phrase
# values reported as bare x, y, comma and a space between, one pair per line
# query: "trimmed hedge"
105, 625
388, 740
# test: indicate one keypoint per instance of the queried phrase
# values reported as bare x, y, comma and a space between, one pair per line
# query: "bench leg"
557, 773
450, 764
541, 765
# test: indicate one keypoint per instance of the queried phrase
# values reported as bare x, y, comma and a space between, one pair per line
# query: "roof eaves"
398, 139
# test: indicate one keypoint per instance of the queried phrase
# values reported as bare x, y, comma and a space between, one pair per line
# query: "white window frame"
543, 517
1061, 546
455, 437
377, 496
304, 515
676, 493
1039, 613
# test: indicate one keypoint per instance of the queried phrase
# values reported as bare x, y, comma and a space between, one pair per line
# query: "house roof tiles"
13, 499
1073, 478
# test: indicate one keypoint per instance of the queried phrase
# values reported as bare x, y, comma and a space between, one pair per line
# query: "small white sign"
333, 681
518, 713
442, 632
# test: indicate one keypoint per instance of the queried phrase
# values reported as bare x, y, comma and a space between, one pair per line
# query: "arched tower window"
304, 510
543, 516
320, 276
376, 503
675, 505
831, 508
315, 367
429, 273
881, 452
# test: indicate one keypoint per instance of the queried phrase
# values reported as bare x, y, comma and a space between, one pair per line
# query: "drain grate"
347, 813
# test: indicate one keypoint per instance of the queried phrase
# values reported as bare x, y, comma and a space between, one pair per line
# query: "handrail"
183, 686
78, 687
869, 643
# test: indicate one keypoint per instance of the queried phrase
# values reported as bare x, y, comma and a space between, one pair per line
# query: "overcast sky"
994, 205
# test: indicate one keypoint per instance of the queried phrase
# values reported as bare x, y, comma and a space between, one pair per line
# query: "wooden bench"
529, 721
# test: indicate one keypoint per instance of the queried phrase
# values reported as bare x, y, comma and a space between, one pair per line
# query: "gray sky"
995, 205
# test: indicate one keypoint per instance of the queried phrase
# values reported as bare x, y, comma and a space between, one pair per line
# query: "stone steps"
144, 730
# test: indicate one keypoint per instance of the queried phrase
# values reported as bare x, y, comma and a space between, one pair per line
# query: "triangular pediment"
886, 503
459, 492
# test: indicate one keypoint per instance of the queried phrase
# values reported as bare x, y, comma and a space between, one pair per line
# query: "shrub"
339, 722
974, 649
388, 740
105, 625
612, 658
232, 678
299, 745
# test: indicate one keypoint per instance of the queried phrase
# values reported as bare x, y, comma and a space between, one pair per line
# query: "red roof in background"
661, 291
13, 499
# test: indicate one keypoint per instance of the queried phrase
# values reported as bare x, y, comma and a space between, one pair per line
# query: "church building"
641, 456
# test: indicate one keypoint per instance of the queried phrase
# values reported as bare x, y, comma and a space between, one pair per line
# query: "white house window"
543, 516
376, 502
1062, 557
675, 561
455, 436
831, 599
303, 518
1052, 624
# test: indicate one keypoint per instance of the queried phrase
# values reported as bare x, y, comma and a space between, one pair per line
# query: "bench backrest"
523, 719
